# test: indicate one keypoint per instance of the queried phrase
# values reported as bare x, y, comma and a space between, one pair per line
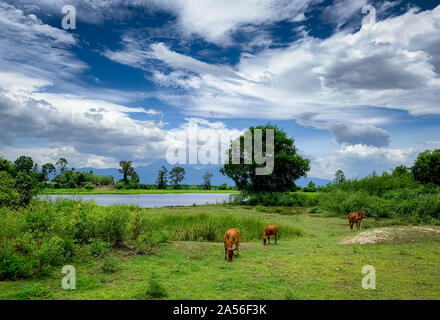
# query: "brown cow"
356, 217
232, 236
268, 231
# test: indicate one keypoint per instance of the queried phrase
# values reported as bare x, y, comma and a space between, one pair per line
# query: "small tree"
207, 180
47, 169
339, 176
311, 187
62, 164
161, 180
426, 168
177, 174
126, 169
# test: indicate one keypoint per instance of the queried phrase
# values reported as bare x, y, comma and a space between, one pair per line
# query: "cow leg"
226, 251
269, 238
236, 247
351, 225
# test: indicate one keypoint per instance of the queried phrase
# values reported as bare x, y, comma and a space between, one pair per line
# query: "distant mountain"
193, 174
303, 182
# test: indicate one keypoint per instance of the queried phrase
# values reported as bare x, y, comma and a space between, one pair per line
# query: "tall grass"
47, 234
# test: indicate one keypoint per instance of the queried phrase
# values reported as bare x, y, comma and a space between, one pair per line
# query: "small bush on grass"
155, 290
110, 264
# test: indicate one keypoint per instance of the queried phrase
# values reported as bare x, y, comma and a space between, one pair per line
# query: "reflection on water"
149, 200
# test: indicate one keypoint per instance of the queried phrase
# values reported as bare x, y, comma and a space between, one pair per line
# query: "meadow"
124, 252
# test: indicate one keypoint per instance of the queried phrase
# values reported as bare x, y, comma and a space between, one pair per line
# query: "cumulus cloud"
361, 160
390, 64
353, 135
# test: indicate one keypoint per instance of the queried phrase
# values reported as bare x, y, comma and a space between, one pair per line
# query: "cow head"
230, 254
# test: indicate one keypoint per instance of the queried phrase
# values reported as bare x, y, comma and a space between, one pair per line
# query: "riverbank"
132, 191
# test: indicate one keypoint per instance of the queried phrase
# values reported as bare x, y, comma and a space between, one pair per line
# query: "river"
149, 200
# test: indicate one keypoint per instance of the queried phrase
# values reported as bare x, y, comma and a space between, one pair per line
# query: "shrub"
89, 186
395, 195
155, 290
14, 266
110, 264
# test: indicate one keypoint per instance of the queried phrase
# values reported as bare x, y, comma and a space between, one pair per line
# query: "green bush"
395, 195
89, 186
14, 266
110, 264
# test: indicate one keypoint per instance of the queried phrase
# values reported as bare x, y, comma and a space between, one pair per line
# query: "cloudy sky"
356, 83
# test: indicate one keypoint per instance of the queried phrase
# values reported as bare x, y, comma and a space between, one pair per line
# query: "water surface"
148, 200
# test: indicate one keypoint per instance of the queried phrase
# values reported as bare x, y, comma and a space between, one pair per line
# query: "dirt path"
394, 235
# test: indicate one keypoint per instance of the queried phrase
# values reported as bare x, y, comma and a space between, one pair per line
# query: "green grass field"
304, 265
132, 191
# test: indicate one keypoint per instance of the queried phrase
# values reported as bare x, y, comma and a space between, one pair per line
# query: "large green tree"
426, 168
24, 164
288, 164
177, 174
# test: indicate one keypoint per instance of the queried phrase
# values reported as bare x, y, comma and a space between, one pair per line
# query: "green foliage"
27, 186
288, 165
207, 180
89, 186
311, 187
223, 186
426, 168
296, 199
110, 264
9, 197
48, 234
23, 164
154, 290
397, 195
339, 176
177, 174
7, 166
161, 180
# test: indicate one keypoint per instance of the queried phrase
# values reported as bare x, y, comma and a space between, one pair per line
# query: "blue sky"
357, 90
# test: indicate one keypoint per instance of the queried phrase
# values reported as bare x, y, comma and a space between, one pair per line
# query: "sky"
356, 83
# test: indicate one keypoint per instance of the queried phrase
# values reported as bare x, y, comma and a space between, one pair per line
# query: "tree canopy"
177, 174
426, 168
288, 165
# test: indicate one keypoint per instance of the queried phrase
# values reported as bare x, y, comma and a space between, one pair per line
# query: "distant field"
309, 261
133, 191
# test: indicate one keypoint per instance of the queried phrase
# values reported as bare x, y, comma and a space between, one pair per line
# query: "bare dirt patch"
394, 235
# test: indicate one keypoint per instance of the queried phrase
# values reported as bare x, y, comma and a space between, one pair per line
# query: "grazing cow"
356, 217
269, 231
232, 236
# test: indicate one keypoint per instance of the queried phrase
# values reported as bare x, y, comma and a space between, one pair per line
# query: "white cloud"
360, 160
390, 64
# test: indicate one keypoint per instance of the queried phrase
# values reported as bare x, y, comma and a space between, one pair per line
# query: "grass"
132, 191
310, 264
